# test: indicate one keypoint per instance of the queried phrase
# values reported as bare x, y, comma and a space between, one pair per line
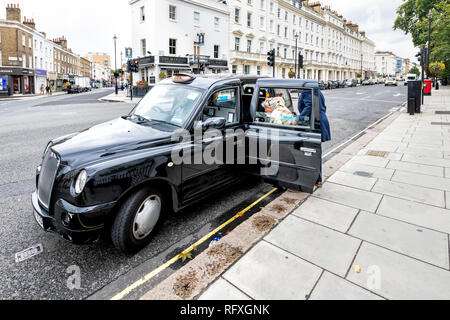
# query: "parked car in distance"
409, 78
351, 83
366, 83
74, 88
331, 85
343, 84
391, 82
322, 85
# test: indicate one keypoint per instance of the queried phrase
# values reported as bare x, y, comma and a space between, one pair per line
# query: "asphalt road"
26, 127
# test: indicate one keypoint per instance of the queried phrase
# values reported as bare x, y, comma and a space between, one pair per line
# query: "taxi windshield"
170, 104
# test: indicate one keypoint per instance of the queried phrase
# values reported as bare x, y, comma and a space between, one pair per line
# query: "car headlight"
80, 183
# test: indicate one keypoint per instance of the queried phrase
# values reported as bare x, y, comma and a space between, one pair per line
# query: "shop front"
170, 66
218, 66
15, 81
147, 70
61, 82
41, 80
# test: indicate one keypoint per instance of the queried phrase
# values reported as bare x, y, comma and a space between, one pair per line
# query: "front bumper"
80, 230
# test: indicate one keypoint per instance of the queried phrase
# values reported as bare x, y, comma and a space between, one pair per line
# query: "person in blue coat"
305, 108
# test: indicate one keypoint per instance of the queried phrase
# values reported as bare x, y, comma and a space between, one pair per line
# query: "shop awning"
175, 67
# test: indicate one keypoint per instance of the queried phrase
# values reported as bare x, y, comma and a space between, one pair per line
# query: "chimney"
29, 23
13, 12
62, 41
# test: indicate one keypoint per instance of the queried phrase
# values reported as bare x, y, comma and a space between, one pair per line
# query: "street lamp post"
362, 56
430, 15
115, 63
296, 55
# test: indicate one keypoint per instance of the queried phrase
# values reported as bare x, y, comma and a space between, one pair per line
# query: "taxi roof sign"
183, 78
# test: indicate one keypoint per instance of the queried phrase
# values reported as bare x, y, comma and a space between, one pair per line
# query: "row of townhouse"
388, 64
172, 36
29, 62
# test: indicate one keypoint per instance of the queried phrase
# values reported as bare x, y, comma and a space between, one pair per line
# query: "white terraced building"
333, 48
165, 37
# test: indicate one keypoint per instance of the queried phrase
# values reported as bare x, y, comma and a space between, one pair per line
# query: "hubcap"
147, 217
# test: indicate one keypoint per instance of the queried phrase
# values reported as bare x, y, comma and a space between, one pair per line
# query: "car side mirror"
213, 123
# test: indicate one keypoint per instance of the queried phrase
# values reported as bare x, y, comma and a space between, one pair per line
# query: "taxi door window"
223, 104
279, 107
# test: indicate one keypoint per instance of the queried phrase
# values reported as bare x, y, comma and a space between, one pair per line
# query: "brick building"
29, 61
16, 54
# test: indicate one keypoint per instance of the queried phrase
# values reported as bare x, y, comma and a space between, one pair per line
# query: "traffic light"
133, 65
421, 56
300, 61
271, 58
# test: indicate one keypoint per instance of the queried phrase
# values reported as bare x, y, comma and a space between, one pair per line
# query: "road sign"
128, 52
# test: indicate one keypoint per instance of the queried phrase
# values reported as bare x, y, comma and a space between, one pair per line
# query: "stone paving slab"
410, 192
422, 180
395, 276
281, 277
374, 172
353, 180
332, 287
329, 249
416, 168
326, 213
423, 244
222, 290
371, 161
421, 152
352, 197
416, 213
447, 200
427, 146
427, 160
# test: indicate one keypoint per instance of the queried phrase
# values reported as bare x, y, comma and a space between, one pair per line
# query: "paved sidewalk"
32, 96
379, 228
120, 97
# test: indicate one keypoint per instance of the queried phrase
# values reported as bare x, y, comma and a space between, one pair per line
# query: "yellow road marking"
158, 270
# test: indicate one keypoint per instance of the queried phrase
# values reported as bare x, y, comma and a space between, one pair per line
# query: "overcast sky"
89, 25
377, 19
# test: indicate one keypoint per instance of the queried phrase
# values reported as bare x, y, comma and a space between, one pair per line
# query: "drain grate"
440, 123
381, 154
363, 174
442, 112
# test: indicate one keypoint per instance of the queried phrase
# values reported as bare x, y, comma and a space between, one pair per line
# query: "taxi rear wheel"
137, 220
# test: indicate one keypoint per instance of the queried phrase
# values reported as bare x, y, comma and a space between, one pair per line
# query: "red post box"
427, 87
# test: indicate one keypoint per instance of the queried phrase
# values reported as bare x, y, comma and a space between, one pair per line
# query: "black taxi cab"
120, 176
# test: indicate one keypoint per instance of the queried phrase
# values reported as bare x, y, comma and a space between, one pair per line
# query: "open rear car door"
280, 148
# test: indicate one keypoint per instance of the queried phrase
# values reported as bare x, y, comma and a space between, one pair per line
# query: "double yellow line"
158, 270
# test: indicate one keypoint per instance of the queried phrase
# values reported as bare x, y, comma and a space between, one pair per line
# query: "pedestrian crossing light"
271, 58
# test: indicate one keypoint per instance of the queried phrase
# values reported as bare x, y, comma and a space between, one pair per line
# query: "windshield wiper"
165, 122
136, 116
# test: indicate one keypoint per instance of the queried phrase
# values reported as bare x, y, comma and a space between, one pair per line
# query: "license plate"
39, 219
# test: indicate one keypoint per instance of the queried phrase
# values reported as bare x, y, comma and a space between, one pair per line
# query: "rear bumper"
77, 232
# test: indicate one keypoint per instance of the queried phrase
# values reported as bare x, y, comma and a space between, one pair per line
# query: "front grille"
47, 176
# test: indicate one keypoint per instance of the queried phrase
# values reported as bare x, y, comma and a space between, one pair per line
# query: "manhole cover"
442, 112
381, 154
363, 174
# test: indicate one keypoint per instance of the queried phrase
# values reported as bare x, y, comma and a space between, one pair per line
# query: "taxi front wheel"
137, 220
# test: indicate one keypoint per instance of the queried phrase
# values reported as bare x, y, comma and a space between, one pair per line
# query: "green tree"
415, 70
412, 18
411, 13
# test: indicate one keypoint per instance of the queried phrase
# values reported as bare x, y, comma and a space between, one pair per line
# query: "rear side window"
280, 107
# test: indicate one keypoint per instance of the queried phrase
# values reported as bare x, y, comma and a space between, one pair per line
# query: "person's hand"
303, 120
